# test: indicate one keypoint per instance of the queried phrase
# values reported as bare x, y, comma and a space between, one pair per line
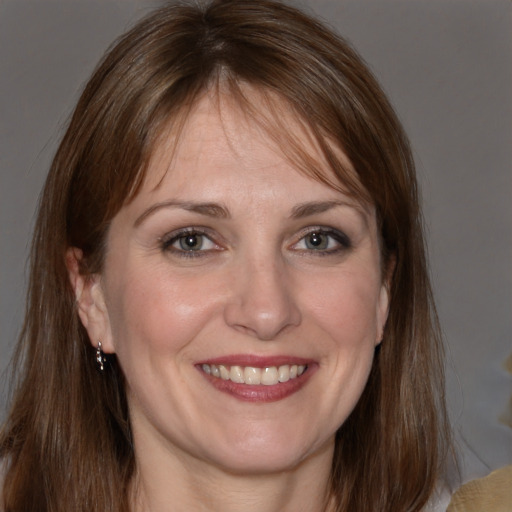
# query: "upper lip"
256, 361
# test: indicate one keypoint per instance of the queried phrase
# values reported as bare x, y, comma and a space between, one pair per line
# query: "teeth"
268, 376
284, 373
224, 372
236, 374
252, 375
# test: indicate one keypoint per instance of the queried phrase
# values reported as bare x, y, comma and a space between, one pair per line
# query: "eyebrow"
218, 211
214, 210
315, 207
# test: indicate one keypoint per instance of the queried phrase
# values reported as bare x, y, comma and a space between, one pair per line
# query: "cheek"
158, 310
346, 305
346, 310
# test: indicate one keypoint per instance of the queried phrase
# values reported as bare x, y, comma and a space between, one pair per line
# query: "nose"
262, 303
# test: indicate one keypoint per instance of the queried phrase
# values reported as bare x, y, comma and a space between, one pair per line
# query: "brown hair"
67, 439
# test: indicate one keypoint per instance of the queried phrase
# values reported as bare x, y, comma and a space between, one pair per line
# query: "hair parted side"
67, 439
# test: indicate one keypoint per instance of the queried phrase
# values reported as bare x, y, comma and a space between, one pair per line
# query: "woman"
229, 305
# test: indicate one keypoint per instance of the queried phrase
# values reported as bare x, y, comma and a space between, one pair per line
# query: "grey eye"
317, 240
191, 242
323, 241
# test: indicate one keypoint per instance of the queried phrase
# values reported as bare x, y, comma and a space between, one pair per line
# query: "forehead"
225, 159
253, 127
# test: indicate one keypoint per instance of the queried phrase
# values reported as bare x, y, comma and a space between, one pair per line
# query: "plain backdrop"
447, 67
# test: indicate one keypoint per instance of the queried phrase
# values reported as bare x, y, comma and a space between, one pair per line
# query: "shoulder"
492, 493
439, 499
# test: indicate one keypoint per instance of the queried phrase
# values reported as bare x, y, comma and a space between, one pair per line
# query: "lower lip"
260, 392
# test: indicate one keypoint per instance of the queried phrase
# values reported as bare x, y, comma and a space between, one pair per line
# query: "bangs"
321, 158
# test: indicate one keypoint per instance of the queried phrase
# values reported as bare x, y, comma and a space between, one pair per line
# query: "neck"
180, 485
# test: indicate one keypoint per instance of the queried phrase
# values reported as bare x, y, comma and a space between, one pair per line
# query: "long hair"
67, 440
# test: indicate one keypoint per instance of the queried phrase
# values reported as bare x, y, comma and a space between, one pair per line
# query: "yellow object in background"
492, 493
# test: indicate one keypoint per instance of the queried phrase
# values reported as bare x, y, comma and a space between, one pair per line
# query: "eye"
323, 240
317, 241
189, 242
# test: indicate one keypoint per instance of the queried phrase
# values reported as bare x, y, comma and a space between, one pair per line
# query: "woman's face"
243, 299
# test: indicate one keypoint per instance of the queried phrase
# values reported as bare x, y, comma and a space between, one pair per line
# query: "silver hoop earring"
100, 357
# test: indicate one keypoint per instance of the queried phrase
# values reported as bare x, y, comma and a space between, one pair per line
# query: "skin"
256, 287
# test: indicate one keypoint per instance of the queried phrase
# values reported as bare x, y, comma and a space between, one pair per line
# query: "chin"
260, 464
250, 456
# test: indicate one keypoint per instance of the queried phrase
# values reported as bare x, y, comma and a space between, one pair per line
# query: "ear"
384, 297
90, 300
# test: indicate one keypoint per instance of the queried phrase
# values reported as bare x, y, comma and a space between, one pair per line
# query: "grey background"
447, 66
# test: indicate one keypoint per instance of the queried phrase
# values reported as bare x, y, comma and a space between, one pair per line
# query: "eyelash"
341, 240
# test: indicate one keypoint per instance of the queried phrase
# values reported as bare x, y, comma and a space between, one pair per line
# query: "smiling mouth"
250, 375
